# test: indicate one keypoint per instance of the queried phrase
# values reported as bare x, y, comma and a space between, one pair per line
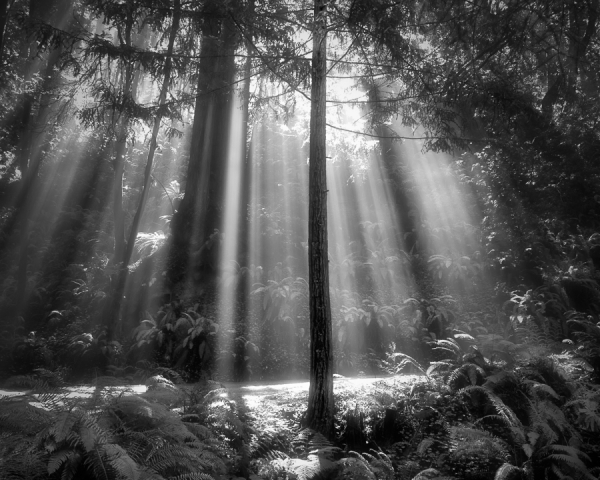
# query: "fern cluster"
121, 437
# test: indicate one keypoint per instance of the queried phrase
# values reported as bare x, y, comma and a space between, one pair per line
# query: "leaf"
181, 321
88, 437
63, 426
121, 461
202, 350
59, 458
533, 437
507, 471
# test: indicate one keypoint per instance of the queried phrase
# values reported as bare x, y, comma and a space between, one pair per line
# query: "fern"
448, 346
466, 374
563, 460
442, 367
509, 472
476, 452
268, 445
585, 412
58, 458
308, 439
22, 461
540, 390
405, 360
503, 411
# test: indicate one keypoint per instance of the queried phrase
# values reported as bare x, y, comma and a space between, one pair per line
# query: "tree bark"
319, 416
200, 211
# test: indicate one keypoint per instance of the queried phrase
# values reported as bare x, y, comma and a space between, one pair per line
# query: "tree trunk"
320, 396
3, 18
200, 212
243, 288
117, 298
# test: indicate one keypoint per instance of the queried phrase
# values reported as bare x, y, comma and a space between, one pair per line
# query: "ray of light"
228, 252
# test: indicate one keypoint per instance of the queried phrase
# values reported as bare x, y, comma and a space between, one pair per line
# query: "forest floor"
265, 406
279, 406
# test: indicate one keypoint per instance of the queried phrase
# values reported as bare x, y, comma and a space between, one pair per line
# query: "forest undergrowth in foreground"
504, 400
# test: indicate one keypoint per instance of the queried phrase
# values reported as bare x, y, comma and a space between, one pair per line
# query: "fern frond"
199, 431
509, 472
71, 466
468, 373
424, 445
58, 458
439, 366
501, 408
539, 390
560, 459
123, 465
568, 450
407, 360
63, 426
192, 476
95, 462
308, 439
268, 445
180, 459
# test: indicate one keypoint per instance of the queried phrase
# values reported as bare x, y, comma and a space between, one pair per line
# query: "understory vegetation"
499, 382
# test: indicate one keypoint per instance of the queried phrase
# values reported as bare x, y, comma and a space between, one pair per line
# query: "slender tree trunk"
117, 298
320, 396
3, 17
118, 168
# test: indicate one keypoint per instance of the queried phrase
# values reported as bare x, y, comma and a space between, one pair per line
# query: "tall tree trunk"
320, 395
200, 212
117, 297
